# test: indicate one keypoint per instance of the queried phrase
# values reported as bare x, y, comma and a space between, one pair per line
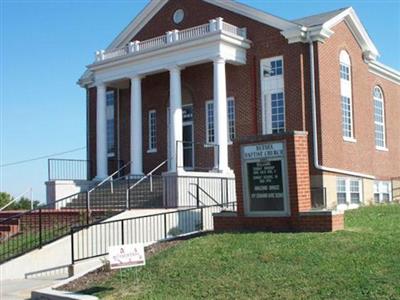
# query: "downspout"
314, 121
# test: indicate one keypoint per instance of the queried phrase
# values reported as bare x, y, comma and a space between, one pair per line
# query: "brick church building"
185, 79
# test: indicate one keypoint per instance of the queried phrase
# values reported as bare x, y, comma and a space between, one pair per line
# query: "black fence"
318, 198
21, 232
89, 241
68, 169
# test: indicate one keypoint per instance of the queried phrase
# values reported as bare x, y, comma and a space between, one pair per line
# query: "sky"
45, 45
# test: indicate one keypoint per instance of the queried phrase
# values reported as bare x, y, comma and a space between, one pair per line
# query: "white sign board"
261, 151
126, 256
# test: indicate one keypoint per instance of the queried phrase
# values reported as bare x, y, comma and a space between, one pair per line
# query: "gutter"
314, 122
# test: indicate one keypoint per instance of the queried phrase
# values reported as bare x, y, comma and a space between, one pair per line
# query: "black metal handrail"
120, 231
200, 190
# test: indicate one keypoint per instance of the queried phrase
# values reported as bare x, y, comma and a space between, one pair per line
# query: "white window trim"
382, 100
349, 139
346, 90
151, 150
348, 192
208, 144
266, 91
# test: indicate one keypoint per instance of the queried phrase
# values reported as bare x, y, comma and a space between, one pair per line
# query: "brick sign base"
300, 217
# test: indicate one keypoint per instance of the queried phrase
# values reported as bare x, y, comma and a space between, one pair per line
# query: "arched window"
346, 96
379, 118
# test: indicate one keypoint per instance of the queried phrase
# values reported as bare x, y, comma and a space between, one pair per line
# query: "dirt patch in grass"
87, 282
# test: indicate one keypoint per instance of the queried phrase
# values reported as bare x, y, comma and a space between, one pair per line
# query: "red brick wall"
297, 169
362, 155
314, 223
243, 82
301, 217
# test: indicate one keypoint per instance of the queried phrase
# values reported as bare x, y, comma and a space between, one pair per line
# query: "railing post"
219, 22
201, 219
122, 232
40, 228
48, 169
212, 25
169, 37
72, 246
222, 191
175, 36
87, 207
227, 191
165, 226
197, 193
127, 199
151, 182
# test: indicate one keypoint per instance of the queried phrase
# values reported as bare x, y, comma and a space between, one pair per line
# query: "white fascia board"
137, 23
253, 13
155, 6
356, 27
384, 71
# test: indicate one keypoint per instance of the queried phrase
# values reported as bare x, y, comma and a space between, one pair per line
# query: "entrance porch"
163, 119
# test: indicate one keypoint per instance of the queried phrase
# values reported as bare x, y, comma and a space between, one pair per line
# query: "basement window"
348, 191
382, 191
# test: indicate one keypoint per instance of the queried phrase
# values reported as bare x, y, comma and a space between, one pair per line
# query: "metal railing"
138, 189
89, 241
68, 169
28, 230
195, 191
318, 198
214, 25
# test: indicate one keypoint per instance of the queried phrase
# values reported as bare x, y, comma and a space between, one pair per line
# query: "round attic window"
179, 14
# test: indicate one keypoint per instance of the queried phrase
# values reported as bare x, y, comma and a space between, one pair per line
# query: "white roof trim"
356, 27
384, 71
137, 23
155, 6
253, 13
322, 32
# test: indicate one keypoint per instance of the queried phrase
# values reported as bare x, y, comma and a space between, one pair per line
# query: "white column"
176, 131
136, 127
220, 115
101, 133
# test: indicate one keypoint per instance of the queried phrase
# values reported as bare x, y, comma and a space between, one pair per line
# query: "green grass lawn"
361, 262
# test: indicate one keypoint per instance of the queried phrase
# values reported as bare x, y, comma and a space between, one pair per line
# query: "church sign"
265, 179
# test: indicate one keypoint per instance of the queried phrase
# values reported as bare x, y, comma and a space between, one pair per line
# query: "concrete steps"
114, 197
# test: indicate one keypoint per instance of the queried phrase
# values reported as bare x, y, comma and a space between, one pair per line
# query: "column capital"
134, 77
175, 68
219, 60
100, 84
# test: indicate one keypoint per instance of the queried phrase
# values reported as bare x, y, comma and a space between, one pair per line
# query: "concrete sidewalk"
20, 289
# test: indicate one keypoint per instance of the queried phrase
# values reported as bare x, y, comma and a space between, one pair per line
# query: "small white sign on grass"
126, 256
